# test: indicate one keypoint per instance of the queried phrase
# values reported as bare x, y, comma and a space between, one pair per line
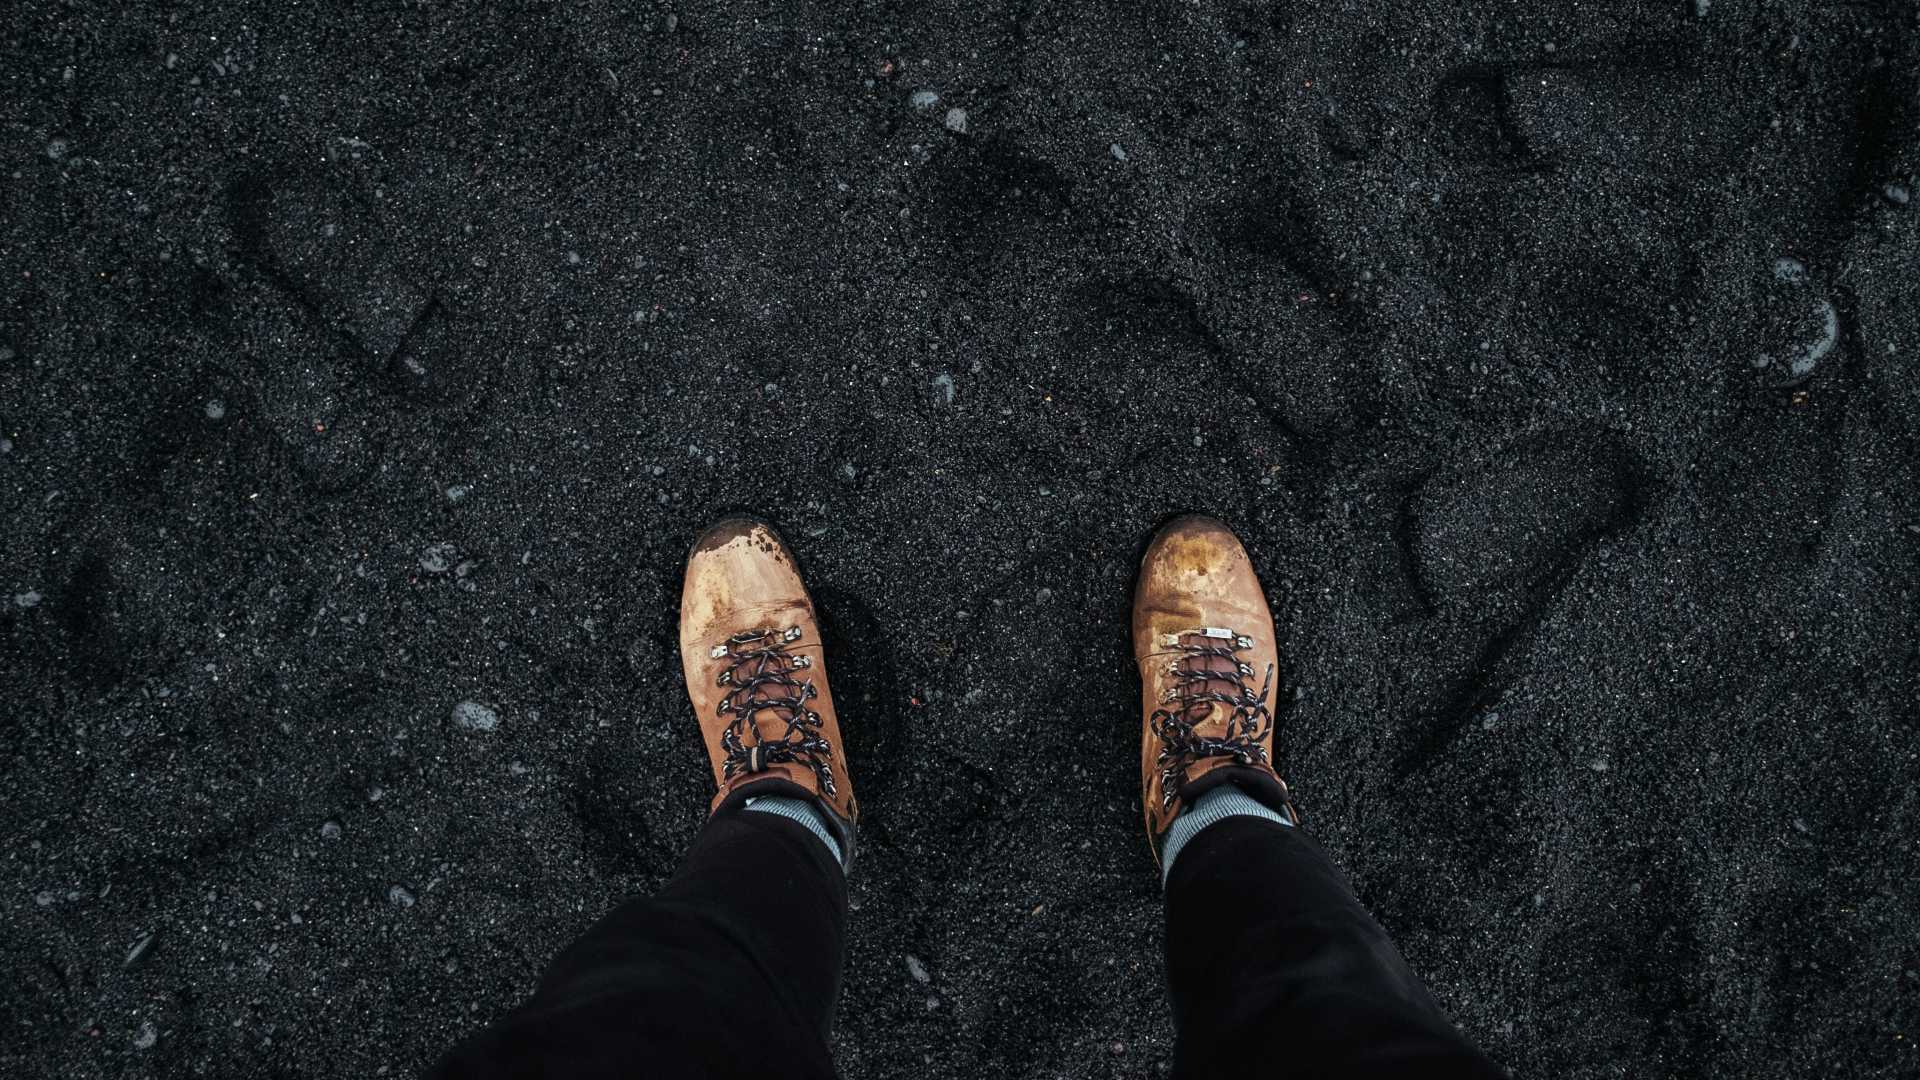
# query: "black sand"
357, 365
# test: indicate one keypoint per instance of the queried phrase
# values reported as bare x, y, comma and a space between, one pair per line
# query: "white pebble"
957, 121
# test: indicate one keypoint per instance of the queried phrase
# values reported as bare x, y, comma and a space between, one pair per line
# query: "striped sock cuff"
1222, 802
801, 811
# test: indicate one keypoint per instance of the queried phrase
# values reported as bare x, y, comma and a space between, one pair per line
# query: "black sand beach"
365, 374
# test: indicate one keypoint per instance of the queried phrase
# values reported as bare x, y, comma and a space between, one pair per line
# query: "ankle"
1215, 805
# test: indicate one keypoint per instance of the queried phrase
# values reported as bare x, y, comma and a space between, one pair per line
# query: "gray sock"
1222, 802
802, 811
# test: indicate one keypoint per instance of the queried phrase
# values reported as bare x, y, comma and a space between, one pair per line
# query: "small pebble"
1598, 765
140, 949
957, 121
147, 1037
1897, 194
400, 896
1701, 7
475, 717
847, 471
30, 598
457, 492
917, 969
57, 149
216, 409
924, 99
330, 830
1790, 270
438, 558
942, 390
1119, 153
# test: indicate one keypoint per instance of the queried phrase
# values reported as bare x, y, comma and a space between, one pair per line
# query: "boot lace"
760, 672
1191, 699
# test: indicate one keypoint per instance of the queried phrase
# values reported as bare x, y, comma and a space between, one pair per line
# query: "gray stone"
140, 949
438, 558
400, 896
957, 121
475, 717
942, 390
924, 99
917, 969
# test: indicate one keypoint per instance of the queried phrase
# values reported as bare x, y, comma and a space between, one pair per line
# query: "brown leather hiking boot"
1204, 640
750, 647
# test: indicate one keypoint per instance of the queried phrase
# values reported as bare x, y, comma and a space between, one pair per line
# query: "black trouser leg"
732, 970
1276, 970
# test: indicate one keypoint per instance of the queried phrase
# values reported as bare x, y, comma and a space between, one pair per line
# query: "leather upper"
741, 580
1202, 629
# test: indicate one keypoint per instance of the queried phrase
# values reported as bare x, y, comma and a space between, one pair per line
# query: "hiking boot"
750, 647
1209, 666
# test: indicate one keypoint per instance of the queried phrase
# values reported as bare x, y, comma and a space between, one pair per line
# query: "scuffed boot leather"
1209, 667
750, 648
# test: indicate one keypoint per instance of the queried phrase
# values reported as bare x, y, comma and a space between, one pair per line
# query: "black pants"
733, 970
